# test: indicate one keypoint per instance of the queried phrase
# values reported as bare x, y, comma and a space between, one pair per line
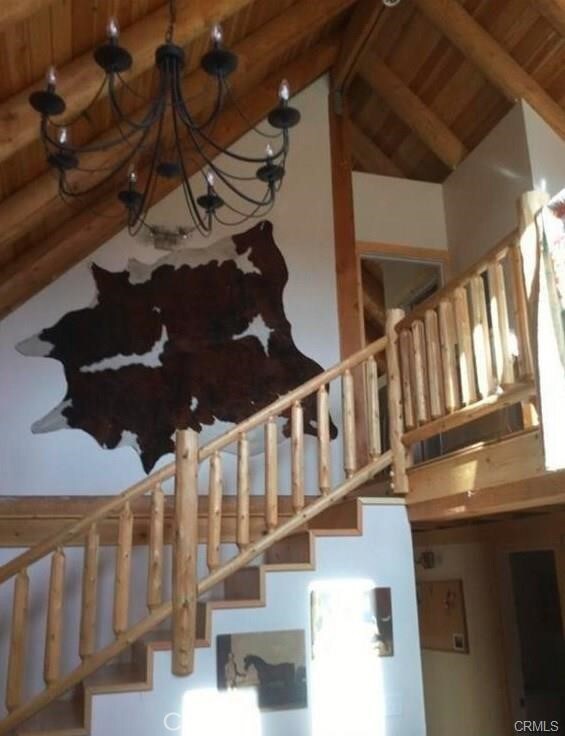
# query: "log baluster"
242, 531
17, 657
481, 339
123, 571
324, 470
349, 437
465, 346
373, 410
53, 635
435, 372
87, 643
215, 493
406, 348
400, 457
420, 372
271, 474
156, 534
297, 460
525, 360
500, 326
185, 550
448, 356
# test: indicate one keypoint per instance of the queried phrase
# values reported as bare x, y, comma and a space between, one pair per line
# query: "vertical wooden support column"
123, 571
156, 532
297, 461
215, 492
17, 657
435, 373
87, 643
242, 531
448, 357
271, 474
399, 454
348, 271
185, 551
52, 662
324, 457
348, 411
373, 410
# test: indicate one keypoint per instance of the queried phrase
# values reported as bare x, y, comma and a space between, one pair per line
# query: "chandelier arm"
237, 106
82, 113
179, 103
254, 214
239, 157
120, 116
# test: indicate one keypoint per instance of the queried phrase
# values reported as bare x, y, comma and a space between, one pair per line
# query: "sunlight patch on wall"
208, 712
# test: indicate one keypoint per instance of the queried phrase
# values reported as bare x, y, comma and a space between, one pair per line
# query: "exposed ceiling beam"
357, 36
495, 62
34, 203
410, 108
554, 12
370, 156
79, 80
14, 11
79, 237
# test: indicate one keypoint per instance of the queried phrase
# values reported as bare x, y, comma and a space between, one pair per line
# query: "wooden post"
185, 551
242, 532
215, 493
51, 666
271, 474
399, 454
435, 373
448, 358
525, 360
87, 643
373, 409
123, 571
156, 532
348, 409
17, 657
465, 343
481, 338
406, 349
297, 445
324, 474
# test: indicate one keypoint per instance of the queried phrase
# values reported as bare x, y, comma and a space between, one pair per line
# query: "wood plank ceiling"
419, 97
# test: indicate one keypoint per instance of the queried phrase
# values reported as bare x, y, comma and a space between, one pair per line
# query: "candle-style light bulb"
112, 29
210, 178
132, 176
51, 77
63, 136
284, 91
269, 151
217, 34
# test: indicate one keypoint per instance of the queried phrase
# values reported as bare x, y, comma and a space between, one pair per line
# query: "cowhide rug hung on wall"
197, 337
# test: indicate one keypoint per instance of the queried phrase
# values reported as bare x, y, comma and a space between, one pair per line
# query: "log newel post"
185, 551
396, 420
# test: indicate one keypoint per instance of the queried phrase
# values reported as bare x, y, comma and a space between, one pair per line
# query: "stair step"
118, 678
292, 553
60, 718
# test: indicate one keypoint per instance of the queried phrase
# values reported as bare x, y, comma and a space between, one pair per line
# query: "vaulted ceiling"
423, 83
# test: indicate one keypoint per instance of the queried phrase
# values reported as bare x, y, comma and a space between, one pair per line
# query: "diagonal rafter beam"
367, 153
494, 62
357, 36
553, 11
14, 11
79, 80
410, 108
34, 203
80, 236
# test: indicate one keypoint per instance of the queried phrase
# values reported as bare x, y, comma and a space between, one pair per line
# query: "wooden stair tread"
117, 677
59, 717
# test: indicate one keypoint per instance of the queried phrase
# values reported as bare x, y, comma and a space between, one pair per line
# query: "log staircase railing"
465, 352
359, 386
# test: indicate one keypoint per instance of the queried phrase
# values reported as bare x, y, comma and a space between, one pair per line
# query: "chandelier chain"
172, 21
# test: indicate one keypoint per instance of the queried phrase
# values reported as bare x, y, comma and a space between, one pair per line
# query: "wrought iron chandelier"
190, 145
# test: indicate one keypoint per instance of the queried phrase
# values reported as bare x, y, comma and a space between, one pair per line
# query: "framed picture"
273, 662
356, 617
441, 615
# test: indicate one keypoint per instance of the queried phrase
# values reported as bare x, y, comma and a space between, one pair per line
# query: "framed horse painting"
272, 662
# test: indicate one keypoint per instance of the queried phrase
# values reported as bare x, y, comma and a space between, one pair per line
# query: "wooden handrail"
495, 254
64, 536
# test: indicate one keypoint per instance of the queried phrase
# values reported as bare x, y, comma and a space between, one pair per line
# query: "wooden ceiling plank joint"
357, 36
554, 12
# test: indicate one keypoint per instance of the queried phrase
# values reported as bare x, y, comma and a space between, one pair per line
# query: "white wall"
465, 693
389, 703
547, 153
399, 211
481, 194
70, 461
